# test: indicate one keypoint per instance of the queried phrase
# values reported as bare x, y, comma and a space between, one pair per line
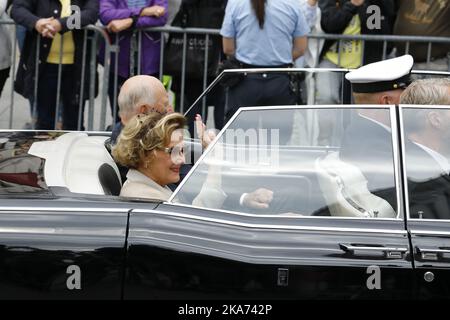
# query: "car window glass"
269, 162
427, 152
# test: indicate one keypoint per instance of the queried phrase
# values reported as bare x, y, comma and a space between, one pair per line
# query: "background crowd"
257, 33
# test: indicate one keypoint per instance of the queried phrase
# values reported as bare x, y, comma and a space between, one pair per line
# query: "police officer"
263, 34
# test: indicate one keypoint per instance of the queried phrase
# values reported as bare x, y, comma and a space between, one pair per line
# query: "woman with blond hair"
152, 147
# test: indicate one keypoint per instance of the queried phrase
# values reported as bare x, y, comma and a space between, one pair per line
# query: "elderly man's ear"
143, 109
435, 119
391, 97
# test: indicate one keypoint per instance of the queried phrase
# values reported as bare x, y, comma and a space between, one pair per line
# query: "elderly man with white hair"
140, 95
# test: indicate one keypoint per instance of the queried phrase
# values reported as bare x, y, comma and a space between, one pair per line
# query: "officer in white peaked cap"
381, 82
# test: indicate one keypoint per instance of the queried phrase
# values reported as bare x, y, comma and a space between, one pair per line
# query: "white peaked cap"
383, 75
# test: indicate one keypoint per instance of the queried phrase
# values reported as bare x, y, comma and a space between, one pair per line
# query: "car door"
321, 237
55, 249
428, 194
55, 244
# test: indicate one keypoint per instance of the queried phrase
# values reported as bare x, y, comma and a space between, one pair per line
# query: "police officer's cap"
382, 76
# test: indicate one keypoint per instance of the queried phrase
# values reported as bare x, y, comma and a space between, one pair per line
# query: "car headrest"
345, 190
75, 161
109, 180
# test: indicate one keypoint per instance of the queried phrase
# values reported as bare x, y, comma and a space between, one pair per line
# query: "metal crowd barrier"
385, 39
309, 90
215, 32
91, 33
99, 33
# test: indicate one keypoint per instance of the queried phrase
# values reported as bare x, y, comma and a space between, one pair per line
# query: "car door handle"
431, 253
391, 252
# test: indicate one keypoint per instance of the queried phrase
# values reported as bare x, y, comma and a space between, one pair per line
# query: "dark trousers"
4, 74
264, 90
113, 94
47, 92
193, 90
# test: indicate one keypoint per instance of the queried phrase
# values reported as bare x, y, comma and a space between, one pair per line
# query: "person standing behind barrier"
347, 17
21, 32
199, 14
128, 15
425, 18
312, 14
263, 34
49, 20
5, 45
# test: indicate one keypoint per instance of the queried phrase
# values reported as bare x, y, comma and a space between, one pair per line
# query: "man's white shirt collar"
443, 162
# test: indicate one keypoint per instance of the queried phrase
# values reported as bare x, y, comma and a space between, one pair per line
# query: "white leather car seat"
345, 190
80, 163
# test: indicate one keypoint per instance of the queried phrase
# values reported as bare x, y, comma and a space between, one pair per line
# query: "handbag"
195, 14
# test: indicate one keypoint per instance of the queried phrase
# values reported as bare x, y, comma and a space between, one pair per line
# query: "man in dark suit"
427, 149
367, 141
428, 183
427, 134
49, 29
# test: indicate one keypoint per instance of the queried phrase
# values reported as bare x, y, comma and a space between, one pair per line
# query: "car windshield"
273, 160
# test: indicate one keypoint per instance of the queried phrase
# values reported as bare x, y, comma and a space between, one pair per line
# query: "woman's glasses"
176, 150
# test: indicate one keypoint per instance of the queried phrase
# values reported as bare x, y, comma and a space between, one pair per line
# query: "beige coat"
139, 185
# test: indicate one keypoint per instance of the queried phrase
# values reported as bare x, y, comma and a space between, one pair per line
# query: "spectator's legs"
4, 74
246, 93
265, 90
112, 94
21, 32
328, 85
277, 91
70, 105
328, 92
46, 98
47, 92
193, 90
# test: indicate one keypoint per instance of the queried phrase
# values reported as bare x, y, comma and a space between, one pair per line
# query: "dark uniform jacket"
428, 185
337, 14
27, 13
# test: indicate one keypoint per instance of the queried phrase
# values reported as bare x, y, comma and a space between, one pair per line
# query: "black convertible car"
364, 216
